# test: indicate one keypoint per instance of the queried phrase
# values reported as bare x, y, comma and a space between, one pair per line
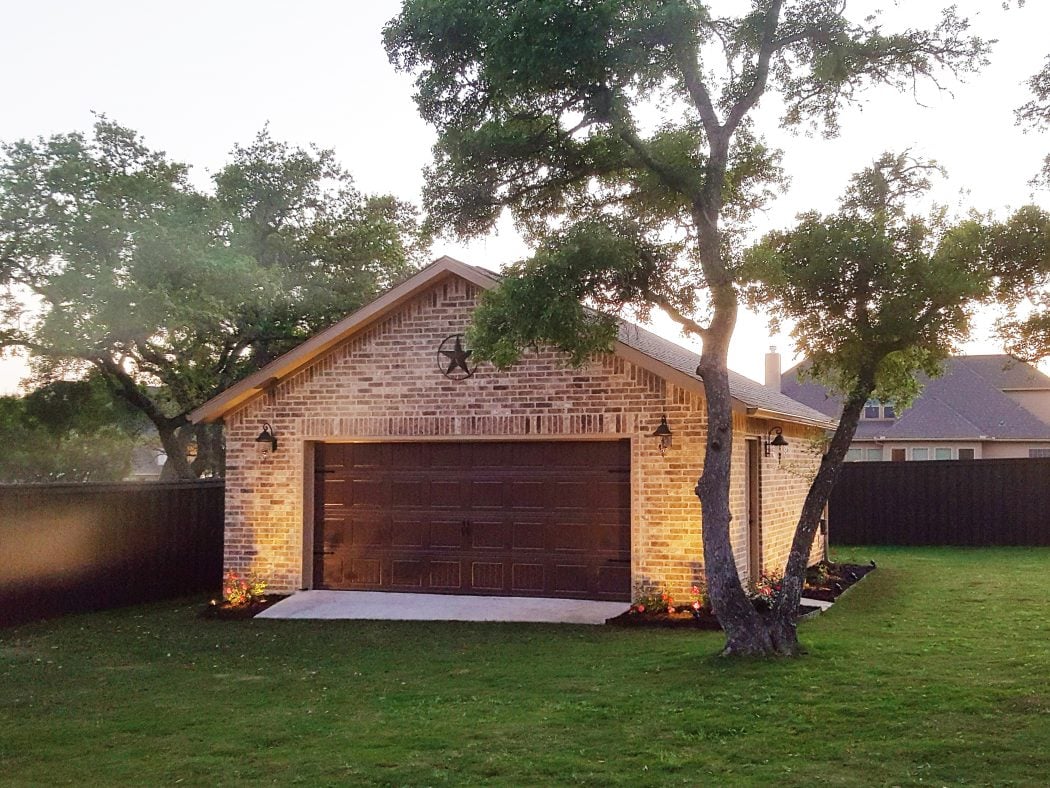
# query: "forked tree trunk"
783, 632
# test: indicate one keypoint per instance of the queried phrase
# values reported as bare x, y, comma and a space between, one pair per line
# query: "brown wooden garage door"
545, 519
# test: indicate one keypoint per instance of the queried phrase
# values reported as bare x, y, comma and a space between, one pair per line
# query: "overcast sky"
195, 77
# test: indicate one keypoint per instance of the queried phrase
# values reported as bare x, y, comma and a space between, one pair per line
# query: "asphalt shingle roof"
742, 388
966, 403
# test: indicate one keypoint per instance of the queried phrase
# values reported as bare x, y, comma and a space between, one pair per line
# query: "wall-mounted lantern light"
663, 432
266, 442
775, 437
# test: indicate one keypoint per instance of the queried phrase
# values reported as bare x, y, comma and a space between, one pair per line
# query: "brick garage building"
542, 480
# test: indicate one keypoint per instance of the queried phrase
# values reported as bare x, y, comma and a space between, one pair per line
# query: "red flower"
696, 605
640, 608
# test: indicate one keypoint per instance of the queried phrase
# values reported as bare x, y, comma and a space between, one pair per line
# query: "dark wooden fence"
75, 547
951, 502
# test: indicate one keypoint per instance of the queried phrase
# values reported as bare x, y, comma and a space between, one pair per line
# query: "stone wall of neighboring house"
383, 383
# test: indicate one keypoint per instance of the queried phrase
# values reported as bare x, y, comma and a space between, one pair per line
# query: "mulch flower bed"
224, 611
826, 581
834, 579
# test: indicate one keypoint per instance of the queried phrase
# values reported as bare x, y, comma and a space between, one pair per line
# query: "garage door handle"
465, 529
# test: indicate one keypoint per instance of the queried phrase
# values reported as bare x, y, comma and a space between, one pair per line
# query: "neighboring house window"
873, 455
854, 455
876, 409
965, 454
942, 454
920, 454
898, 455
1039, 453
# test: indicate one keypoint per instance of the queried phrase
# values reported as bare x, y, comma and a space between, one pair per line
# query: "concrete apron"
376, 605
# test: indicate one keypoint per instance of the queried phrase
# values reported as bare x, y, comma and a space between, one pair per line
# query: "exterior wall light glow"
266, 442
775, 437
663, 432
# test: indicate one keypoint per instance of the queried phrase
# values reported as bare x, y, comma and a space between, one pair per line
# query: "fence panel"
947, 502
75, 547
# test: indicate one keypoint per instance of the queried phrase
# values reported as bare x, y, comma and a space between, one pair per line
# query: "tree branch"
758, 86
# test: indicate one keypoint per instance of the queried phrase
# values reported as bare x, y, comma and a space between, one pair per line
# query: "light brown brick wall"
384, 383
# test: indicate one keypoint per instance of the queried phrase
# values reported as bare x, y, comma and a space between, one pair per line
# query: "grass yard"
934, 670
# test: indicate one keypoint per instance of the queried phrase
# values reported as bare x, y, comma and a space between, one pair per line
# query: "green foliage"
542, 300
67, 432
239, 591
110, 260
876, 295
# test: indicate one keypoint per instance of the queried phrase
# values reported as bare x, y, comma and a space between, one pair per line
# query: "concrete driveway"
440, 607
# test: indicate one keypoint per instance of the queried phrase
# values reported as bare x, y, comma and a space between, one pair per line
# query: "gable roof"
664, 358
966, 403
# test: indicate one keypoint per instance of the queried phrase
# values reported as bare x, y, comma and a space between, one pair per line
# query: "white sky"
197, 76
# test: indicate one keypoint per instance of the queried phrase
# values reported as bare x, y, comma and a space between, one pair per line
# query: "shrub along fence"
75, 547
950, 502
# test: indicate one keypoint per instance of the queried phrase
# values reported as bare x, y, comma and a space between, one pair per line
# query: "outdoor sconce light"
266, 441
663, 432
775, 437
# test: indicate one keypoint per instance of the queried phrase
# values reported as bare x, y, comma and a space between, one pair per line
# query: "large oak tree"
113, 263
620, 135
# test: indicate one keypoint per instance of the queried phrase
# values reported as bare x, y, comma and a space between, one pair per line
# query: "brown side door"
546, 519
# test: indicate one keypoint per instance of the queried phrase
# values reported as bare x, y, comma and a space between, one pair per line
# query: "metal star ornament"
453, 359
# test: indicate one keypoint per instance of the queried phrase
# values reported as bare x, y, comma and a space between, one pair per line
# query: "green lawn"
934, 670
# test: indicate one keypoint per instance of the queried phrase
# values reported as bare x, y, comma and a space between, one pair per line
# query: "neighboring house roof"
966, 403
648, 350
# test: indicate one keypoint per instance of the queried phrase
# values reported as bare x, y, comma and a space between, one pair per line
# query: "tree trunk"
211, 454
782, 622
745, 631
174, 440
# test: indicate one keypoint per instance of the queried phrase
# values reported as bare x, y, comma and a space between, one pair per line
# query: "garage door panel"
569, 496
445, 494
408, 494
446, 575
367, 531
409, 533
527, 495
364, 572
612, 578
486, 494
486, 576
489, 535
569, 535
570, 578
407, 573
612, 494
527, 579
546, 518
529, 535
446, 535
367, 493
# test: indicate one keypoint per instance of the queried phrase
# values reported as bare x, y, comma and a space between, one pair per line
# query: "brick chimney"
773, 368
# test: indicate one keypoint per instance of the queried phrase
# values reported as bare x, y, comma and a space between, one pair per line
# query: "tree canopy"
620, 136
111, 261
68, 431
1028, 334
